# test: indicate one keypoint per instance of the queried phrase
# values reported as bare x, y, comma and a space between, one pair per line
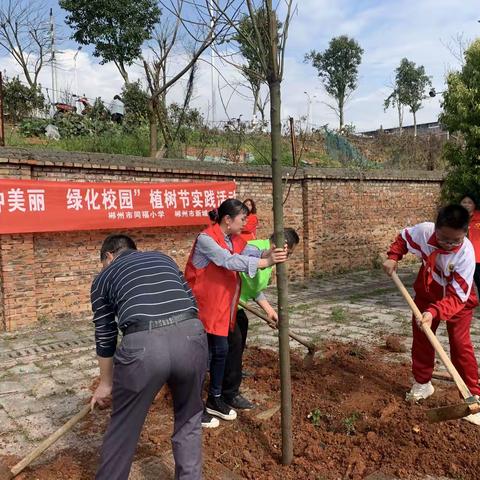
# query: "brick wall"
345, 219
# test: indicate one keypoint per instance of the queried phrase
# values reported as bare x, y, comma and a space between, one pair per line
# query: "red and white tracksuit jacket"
444, 288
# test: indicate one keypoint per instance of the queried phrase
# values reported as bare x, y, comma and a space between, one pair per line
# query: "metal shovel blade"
452, 412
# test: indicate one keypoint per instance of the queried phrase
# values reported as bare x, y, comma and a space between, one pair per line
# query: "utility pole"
75, 69
212, 64
52, 58
2, 129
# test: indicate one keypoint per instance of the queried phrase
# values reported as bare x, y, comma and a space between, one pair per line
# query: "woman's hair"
254, 207
471, 196
231, 207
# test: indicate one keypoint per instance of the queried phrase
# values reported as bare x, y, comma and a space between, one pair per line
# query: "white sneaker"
209, 421
419, 391
474, 418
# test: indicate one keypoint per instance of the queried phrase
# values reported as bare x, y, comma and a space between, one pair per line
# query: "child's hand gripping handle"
432, 338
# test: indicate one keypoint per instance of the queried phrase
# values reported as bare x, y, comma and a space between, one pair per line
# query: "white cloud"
387, 30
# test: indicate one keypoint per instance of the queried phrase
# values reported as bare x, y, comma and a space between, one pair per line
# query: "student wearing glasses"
443, 292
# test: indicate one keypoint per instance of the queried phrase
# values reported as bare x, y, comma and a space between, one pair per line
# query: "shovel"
452, 412
312, 348
7, 473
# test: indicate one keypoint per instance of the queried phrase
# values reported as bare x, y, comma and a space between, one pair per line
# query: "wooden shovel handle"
433, 339
271, 324
49, 441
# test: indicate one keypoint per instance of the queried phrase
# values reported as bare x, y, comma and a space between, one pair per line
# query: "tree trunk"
123, 72
261, 109
282, 275
152, 119
256, 94
28, 78
400, 119
340, 113
414, 124
162, 119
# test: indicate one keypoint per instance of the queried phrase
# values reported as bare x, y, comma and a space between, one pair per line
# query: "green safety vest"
251, 287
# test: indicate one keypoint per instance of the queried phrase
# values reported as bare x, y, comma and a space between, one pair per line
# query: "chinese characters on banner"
46, 206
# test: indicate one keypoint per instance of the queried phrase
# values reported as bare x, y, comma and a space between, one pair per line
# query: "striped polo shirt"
135, 288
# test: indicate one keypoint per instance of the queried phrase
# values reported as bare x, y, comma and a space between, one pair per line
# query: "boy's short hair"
114, 243
291, 237
453, 216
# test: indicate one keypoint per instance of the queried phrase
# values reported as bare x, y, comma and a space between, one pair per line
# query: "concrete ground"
45, 372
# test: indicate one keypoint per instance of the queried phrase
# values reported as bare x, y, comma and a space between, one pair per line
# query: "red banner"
47, 206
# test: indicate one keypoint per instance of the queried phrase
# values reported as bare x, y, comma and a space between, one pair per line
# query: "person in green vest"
252, 289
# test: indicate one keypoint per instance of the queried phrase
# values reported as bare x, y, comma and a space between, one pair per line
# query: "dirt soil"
350, 421
394, 344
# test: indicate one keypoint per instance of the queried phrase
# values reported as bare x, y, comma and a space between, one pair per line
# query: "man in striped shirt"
144, 295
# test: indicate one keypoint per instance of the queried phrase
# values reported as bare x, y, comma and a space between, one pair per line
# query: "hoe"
7, 473
471, 403
312, 348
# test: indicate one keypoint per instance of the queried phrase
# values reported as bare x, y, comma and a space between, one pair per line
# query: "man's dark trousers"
144, 362
232, 378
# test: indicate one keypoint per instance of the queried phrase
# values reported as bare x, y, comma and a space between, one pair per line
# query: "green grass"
42, 319
338, 314
122, 144
299, 308
225, 144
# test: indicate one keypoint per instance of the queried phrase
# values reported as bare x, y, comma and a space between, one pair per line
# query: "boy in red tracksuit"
443, 291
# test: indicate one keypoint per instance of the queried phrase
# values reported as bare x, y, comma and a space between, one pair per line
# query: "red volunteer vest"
216, 289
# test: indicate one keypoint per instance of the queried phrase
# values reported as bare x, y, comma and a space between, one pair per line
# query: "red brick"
345, 218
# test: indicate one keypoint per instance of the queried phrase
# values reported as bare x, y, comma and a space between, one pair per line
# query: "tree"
393, 101
135, 99
461, 117
337, 68
252, 70
24, 34
411, 82
20, 101
196, 23
267, 41
186, 117
223, 17
116, 29
156, 71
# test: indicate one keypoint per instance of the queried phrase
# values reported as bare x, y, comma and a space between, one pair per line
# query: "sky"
387, 30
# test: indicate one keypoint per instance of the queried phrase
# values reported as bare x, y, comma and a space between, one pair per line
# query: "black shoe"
216, 406
208, 421
239, 402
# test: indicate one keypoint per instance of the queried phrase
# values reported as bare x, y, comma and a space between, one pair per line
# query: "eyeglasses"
451, 243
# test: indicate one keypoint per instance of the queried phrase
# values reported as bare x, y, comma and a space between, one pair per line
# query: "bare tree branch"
24, 34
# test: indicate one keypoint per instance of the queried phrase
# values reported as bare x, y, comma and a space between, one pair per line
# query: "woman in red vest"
218, 254
249, 231
468, 201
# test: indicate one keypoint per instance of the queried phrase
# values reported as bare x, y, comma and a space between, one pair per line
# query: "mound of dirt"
349, 421
394, 344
